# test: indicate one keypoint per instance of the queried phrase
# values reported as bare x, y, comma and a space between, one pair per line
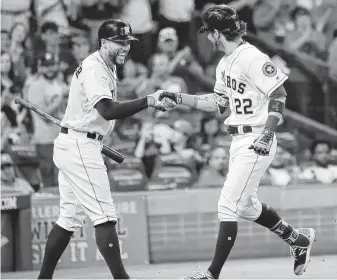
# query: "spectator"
138, 14
177, 14
5, 41
23, 153
132, 75
183, 63
210, 128
194, 143
5, 131
51, 43
9, 182
305, 38
214, 173
19, 55
148, 148
80, 49
321, 169
47, 93
95, 12
160, 77
283, 170
7, 71
13, 11
15, 114
271, 19
52, 11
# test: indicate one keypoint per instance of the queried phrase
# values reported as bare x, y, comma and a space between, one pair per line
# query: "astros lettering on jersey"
246, 78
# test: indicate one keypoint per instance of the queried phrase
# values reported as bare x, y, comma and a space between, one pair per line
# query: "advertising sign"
82, 250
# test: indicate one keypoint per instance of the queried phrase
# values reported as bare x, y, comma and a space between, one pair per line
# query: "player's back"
91, 82
247, 77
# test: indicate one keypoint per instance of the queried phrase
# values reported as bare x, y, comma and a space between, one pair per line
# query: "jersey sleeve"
265, 75
95, 82
220, 85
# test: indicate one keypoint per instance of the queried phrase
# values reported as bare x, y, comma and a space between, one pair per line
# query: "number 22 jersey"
247, 77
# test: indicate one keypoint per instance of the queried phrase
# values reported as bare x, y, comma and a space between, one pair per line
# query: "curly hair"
226, 20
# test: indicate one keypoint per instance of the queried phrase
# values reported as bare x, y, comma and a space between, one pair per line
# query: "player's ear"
216, 34
104, 44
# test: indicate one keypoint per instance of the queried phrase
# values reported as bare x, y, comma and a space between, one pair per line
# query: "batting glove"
153, 101
176, 97
263, 143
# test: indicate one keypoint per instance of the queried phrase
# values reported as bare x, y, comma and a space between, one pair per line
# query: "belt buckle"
241, 129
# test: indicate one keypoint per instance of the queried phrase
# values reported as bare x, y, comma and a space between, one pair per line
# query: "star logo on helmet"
125, 31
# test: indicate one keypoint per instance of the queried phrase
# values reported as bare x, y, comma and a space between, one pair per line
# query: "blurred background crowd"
43, 41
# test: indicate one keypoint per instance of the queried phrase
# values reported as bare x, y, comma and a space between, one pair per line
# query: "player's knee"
67, 225
109, 224
226, 214
252, 210
227, 208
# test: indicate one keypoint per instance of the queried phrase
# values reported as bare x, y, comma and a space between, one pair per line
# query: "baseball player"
252, 86
83, 182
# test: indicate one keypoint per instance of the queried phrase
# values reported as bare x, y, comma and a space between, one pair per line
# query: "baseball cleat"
301, 254
202, 274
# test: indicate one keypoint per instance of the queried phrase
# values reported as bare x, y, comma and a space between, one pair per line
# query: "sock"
271, 220
226, 238
108, 244
57, 242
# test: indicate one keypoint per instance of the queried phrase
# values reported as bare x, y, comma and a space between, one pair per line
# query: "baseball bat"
107, 151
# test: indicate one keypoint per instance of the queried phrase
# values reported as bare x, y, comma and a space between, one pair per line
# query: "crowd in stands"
43, 42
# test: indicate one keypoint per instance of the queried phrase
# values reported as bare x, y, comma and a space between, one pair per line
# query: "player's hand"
263, 143
170, 95
160, 103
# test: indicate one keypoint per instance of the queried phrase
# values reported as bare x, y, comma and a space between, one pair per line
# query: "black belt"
235, 129
94, 136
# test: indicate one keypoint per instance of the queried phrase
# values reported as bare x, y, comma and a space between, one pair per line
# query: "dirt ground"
320, 267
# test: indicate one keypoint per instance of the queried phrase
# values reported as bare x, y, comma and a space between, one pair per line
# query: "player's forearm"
203, 102
114, 110
276, 108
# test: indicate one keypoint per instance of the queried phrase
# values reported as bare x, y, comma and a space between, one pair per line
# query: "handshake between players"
162, 100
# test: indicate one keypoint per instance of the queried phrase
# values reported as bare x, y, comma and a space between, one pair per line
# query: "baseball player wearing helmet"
252, 86
83, 181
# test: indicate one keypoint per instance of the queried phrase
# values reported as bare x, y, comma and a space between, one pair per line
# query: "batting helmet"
225, 19
115, 30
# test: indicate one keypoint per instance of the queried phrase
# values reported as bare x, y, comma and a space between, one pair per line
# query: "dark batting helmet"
115, 30
224, 19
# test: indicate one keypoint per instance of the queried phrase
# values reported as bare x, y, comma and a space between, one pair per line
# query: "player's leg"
242, 170
91, 187
300, 240
250, 208
70, 220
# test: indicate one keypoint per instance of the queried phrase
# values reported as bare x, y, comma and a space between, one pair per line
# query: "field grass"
320, 267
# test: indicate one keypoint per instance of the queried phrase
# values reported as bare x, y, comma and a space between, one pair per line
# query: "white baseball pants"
83, 181
239, 194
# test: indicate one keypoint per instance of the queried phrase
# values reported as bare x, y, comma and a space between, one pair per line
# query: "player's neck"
232, 46
106, 58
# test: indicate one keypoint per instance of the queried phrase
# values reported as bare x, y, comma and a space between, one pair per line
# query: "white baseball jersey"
92, 81
247, 77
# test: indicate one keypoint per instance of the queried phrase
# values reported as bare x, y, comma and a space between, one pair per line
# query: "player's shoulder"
92, 61
249, 53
